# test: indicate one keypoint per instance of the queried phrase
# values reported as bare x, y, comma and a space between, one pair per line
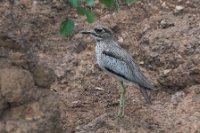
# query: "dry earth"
162, 36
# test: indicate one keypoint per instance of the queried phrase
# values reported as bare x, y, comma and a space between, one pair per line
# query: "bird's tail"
145, 94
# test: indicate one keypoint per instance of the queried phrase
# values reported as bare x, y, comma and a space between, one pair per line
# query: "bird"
117, 62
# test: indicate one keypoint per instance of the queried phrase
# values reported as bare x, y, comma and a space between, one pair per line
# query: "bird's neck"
106, 43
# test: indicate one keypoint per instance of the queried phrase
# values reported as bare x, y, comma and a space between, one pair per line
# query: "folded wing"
117, 61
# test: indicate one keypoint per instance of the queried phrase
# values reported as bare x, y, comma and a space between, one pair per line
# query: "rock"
16, 85
18, 59
79, 47
164, 5
165, 72
179, 8
39, 116
4, 63
146, 28
8, 43
120, 39
153, 54
141, 63
195, 59
195, 74
165, 24
176, 78
3, 106
194, 90
2, 127
196, 98
192, 47
25, 108
194, 93
3, 53
124, 34
43, 76
177, 97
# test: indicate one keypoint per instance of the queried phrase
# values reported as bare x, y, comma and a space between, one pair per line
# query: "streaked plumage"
116, 61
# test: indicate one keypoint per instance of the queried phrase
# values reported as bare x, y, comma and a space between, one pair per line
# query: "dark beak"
86, 32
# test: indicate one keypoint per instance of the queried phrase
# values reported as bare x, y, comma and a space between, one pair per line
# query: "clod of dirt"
7, 42
195, 59
4, 63
179, 78
175, 79
192, 47
177, 97
39, 116
16, 85
3, 106
2, 127
79, 47
18, 59
178, 9
165, 24
23, 108
43, 76
195, 74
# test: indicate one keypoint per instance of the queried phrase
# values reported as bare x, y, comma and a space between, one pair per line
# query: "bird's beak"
87, 32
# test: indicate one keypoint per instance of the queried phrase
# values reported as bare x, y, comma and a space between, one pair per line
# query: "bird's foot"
120, 114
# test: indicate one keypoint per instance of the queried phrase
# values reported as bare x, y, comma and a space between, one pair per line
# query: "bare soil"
168, 56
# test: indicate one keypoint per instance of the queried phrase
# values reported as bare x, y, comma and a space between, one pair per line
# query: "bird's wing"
118, 54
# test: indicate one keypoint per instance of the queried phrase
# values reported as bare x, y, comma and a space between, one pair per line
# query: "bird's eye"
98, 30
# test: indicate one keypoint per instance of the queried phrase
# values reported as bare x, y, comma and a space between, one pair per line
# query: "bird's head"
100, 32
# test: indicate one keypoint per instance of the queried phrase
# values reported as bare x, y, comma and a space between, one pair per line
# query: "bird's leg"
122, 92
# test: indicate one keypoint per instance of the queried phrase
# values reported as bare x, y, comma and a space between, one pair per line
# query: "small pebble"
120, 40
178, 9
177, 97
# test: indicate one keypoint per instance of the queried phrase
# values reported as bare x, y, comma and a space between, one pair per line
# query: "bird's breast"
99, 50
